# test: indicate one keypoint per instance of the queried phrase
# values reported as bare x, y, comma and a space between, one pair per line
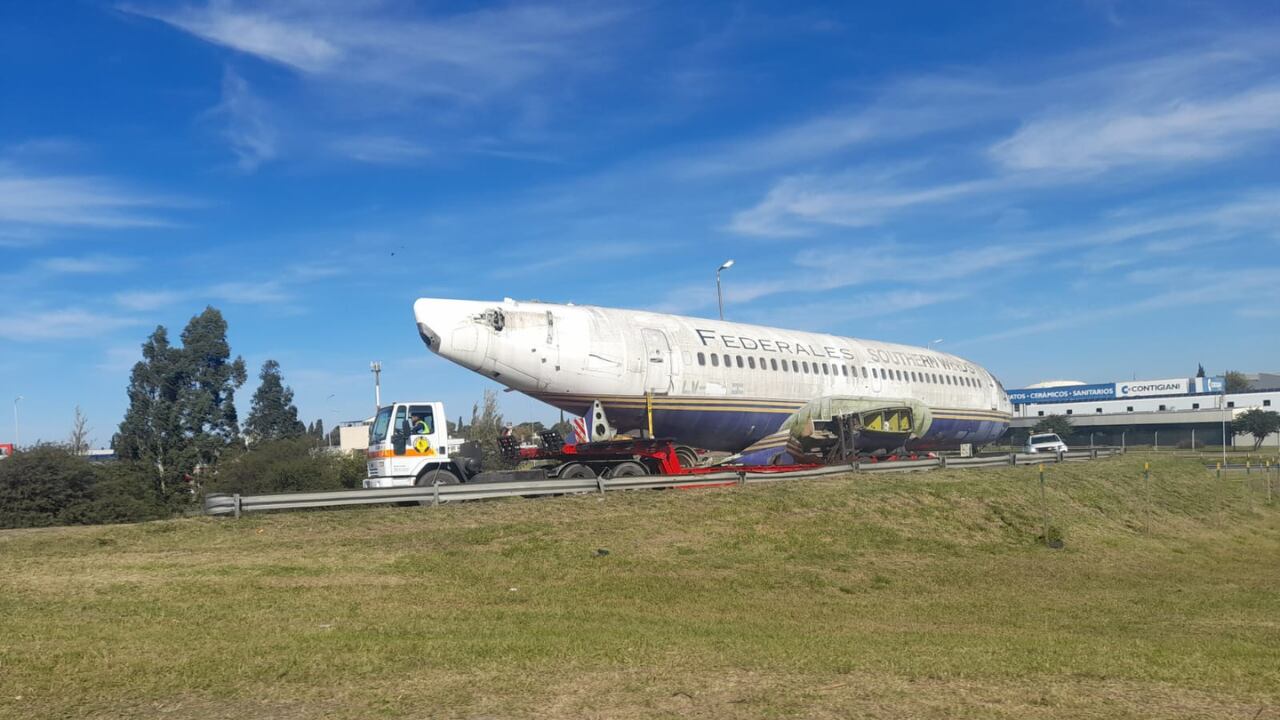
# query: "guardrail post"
1013, 458
1146, 490
1219, 469
742, 478
235, 504
942, 461
1044, 508
435, 493
600, 484
1268, 476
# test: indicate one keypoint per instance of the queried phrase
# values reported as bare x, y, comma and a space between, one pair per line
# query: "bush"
294, 465
352, 468
124, 492
46, 485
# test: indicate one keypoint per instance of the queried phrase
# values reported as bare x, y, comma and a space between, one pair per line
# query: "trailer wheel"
626, 469
688, 456
577, 471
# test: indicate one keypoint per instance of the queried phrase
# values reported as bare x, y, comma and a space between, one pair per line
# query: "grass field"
916, 595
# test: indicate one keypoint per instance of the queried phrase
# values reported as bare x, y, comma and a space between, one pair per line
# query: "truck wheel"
443, 476
577, 471
626, 469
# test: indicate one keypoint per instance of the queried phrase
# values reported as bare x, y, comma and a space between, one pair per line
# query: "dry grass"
922, 595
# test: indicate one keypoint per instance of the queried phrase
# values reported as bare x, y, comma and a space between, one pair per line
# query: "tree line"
180, 437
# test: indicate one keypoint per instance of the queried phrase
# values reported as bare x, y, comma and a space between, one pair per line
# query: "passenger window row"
816, 368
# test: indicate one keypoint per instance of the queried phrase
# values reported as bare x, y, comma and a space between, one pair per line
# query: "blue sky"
1083, 189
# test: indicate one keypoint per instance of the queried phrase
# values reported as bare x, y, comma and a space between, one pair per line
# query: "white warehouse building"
1182, 412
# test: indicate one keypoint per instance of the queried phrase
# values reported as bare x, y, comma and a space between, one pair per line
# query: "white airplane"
765, 394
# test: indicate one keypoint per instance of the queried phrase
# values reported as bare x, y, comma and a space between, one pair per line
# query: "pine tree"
208, 395
151, 431
182, 411
273, 415
318, 431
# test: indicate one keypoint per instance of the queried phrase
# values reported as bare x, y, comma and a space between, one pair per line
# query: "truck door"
657, 367
426, 433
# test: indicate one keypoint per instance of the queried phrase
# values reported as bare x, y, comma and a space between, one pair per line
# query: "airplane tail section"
594, 427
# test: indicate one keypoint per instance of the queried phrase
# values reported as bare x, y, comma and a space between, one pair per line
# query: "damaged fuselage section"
838, 429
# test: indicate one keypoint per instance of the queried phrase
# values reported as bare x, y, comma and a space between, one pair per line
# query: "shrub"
294, 465
352, 468
124, 492
45, 485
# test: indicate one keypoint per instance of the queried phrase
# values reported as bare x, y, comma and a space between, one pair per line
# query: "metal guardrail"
225, 504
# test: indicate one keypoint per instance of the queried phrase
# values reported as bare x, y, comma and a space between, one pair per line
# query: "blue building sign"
1114, 391
1069, 393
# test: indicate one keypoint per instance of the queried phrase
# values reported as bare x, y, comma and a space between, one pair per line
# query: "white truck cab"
409, 445
1045, 443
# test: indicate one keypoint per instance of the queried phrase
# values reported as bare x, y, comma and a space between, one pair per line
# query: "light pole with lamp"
376, 368
720, 298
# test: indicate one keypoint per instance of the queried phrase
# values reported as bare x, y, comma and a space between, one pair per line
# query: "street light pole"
720, 298
17, 437
376, 368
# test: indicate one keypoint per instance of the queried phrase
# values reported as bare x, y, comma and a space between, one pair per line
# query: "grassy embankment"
915, 595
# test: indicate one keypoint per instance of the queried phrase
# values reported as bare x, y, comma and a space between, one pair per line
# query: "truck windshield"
378, 432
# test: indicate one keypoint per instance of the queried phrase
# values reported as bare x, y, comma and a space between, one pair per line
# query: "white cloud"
143, 300
1256, 287
86, 265
906, 109
1197, 103
52, 200
1119, 135
795, 204
119, 359
442, 73
269, 292
381, 149
462, 55
284, 40
249, 129
827, 314
70, 323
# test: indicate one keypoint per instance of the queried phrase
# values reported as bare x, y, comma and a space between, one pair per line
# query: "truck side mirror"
399, 439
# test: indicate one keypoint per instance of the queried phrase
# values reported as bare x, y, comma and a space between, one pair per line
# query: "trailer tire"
688, 456
626, 469
576, 471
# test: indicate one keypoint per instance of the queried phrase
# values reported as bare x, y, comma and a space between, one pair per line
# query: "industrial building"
1171, 412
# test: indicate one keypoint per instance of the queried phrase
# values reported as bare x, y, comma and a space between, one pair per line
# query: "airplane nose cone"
452, 329
423, 314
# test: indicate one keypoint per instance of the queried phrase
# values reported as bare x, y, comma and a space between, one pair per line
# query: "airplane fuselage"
708, 383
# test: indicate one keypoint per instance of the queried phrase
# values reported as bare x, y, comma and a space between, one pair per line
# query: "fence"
223, 504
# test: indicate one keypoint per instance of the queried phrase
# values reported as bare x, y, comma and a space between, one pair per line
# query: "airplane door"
657, 366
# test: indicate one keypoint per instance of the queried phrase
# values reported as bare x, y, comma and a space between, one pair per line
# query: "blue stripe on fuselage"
734, 430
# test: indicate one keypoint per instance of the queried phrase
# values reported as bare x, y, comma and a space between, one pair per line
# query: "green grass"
912, 595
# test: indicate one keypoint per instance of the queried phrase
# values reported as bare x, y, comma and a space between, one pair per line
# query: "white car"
1046, 443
